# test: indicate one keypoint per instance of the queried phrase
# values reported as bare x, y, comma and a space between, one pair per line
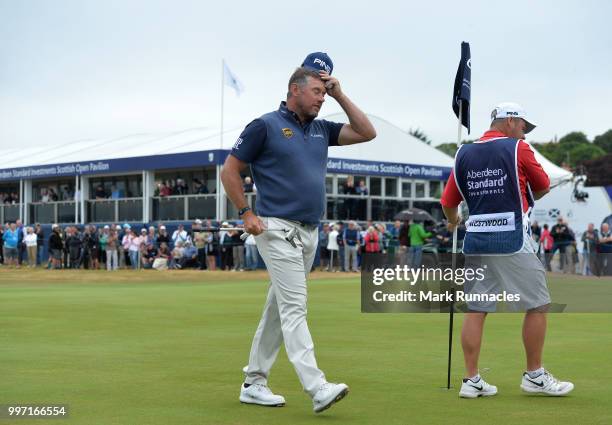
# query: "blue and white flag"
463, 86
229, 79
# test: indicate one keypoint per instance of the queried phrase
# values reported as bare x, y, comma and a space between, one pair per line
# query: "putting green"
168, 348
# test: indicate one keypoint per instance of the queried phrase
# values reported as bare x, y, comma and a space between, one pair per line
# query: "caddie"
499, 177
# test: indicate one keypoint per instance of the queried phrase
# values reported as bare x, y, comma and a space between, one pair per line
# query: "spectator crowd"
114, 246
50, 194
177, 187
9, 198
561, 238
205, 246
342, 246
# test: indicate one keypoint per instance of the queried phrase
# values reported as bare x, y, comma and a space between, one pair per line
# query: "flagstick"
454, 265
459, 131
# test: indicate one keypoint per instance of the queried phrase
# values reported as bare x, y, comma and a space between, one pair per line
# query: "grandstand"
118, 179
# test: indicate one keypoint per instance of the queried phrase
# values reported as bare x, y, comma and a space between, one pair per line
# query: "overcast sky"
80, 69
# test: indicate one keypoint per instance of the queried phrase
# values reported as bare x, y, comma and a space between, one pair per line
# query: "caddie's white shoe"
478, 388
546, 384
260, 394
327, 395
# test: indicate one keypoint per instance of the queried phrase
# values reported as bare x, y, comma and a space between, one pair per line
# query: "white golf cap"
106, 226
512, 110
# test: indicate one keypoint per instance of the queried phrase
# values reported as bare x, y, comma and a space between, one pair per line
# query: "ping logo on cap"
322, 64
319, 61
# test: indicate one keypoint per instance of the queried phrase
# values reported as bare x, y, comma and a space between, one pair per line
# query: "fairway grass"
168, 348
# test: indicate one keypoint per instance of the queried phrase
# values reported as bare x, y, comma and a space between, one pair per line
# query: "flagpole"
222, 100
453, 266
219, 186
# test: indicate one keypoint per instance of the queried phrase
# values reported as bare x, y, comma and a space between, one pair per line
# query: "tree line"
568, 152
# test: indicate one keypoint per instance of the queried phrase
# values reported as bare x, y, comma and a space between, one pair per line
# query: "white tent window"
375, 186
406, 189
435, 189
329, 185
420, 189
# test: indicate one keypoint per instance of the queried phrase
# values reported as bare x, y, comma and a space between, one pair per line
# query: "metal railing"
378, 208
184, 207
9, 212
113, 210
191, 207
52, 212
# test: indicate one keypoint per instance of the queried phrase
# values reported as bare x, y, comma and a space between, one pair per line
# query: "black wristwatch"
243, 210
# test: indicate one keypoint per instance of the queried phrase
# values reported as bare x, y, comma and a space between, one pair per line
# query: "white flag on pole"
229, 79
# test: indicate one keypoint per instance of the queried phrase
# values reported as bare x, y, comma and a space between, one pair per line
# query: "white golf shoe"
546, 384
478, 388
260, 394
327, 395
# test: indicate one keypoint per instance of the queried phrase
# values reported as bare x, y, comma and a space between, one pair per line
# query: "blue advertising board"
208, 158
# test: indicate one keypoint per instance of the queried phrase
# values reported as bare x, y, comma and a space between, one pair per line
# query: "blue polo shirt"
11, 238
289, 162
351, 236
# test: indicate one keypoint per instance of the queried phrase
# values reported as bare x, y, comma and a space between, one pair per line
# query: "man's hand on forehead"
332, 85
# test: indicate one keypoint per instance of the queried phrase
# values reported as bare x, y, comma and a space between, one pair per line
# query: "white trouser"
111, 260
350, 258
284, 315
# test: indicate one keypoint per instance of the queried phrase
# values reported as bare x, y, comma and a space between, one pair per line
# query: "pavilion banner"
374, 168
119, 165
214, 157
